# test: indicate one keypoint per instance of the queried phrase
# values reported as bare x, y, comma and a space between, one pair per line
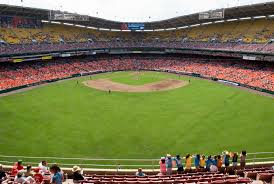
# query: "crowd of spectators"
211, 163
256, 74
50, 47
54, 174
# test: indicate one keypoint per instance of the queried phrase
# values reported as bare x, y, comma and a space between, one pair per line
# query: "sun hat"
76, 168
163, 158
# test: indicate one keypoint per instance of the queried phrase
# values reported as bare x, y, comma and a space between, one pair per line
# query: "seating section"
256, 74
248, 31
264, 174
189, 178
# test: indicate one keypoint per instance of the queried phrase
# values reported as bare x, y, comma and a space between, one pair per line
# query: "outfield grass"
69, 120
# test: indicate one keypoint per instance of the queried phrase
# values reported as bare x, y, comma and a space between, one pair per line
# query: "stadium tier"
248, 31
244, 72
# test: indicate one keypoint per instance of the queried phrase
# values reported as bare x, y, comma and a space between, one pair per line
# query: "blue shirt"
227, 160
57, 178
168, 163
178, 162
140, 174
197, 161
214, 162
208, 163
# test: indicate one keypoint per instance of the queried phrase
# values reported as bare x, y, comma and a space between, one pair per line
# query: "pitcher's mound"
164, 85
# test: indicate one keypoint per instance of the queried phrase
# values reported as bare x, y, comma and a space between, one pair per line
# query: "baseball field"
72, 119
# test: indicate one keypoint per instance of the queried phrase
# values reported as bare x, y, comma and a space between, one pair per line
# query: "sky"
132, 10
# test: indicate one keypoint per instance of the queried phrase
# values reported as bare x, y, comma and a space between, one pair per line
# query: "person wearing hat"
77, 176
162, 164
168, 164
17, 167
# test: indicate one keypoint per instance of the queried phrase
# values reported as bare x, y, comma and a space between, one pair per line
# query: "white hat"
76, 168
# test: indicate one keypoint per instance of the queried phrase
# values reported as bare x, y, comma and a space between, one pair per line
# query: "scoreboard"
58, 15
133, 26
212, 14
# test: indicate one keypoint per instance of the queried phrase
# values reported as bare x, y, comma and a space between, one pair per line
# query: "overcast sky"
132, 10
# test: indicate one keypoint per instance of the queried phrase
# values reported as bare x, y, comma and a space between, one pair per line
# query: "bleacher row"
241, 176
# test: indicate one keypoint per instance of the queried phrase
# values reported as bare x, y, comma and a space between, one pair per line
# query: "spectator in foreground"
208, 163
77, 175
38, 177
234, 159
188, 162
140, 173
227, 156
219, 162
197, 161
43, 166
202, 162
243, 157
162, 164
20, 178
168, 164
17, 167
214, 160
28, 172
57, 177
179, 164
3, 175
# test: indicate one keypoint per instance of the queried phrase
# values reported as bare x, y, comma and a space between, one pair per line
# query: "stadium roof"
255, 10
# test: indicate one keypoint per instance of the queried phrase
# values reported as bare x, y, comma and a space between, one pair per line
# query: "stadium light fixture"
169, 29
194, 25
77, 25
89, 27
104, 29
270, 16
219, 21
68, 24
245, 18
231, 20
206, 23
159, 29
117, 30
183, 27
54, 22
259, 17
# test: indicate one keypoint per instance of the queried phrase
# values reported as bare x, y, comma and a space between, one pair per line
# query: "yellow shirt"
202, 162
188, 162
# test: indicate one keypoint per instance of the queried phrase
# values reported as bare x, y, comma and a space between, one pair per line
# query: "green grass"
69, 120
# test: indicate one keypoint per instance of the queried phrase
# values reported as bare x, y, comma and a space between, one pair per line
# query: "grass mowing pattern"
69, 120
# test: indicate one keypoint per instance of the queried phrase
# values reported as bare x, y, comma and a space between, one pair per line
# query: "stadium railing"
256, 158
